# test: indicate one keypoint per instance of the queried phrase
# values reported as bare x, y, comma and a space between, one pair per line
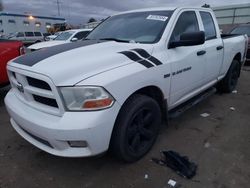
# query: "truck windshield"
64, 36
141, 27
242, 30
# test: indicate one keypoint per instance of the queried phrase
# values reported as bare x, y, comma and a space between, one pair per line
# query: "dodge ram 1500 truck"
112, 90
8, 50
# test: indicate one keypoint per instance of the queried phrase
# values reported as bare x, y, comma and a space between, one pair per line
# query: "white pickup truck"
112, 90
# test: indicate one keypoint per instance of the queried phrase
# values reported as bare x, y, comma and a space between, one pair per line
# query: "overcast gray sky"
79, 11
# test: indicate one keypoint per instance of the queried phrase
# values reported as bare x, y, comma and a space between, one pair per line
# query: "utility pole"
1, 5
58, 7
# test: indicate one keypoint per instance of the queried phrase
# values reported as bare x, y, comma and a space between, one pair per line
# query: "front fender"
124, 81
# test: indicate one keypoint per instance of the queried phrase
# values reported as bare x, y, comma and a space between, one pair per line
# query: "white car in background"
27, 37
65, 37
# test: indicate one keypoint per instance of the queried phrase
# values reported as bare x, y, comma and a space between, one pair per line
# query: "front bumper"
51, 133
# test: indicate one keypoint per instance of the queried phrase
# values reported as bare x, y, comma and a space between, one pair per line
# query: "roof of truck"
163, 9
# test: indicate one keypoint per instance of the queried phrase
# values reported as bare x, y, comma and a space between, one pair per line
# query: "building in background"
11, 23
230, 16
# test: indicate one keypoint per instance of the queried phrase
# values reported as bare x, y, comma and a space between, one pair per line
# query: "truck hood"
46, 44
71, 63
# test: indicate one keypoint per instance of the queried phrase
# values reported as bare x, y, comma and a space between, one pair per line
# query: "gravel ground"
219, 144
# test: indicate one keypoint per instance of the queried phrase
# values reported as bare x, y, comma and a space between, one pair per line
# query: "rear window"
29, 34
38, 34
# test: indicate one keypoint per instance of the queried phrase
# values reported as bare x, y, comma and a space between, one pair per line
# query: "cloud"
79, 11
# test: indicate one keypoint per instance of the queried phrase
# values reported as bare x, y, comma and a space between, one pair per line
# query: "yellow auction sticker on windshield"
157, 17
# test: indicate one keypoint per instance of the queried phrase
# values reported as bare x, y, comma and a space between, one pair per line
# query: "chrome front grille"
37, 91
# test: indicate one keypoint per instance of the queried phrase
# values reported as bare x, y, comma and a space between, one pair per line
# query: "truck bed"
226, 36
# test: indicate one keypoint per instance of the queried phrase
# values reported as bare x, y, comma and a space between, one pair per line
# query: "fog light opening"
78, 144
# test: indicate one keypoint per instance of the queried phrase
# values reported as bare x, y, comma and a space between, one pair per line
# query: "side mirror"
189, 39
74, 39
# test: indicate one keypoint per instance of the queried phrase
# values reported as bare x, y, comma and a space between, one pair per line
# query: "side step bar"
190, 103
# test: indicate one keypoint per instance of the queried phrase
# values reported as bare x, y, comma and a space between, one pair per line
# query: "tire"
136, 128
229, 82
37, 41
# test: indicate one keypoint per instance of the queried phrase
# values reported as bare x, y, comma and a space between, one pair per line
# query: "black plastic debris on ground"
180, 164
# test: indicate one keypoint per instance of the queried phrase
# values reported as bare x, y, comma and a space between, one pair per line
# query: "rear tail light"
22, 50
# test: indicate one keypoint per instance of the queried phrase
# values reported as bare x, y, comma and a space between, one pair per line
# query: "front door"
187, 62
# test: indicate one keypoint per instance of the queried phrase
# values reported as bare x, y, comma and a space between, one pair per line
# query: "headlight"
86, 98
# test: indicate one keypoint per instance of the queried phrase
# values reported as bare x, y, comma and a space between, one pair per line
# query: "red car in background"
8, 50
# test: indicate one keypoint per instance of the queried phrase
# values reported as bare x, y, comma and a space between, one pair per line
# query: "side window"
208, 23
20, 34
29, 34
187, 22
37, 34
81, 35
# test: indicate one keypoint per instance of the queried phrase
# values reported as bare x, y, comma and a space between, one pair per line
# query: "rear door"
188, 64
214, 47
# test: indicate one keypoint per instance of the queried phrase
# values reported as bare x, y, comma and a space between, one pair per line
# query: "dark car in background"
244, 29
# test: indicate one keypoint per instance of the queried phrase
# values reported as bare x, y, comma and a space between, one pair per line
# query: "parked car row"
29, 37
62, 38
8, 50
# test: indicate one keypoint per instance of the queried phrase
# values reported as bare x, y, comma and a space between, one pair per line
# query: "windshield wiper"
115, 39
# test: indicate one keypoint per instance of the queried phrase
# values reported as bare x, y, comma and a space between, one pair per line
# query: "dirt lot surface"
219, 144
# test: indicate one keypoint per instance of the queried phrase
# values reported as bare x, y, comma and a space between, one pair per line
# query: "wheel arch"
154, 92
238, 57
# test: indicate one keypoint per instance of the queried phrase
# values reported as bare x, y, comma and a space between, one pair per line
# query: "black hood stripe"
33, 58
146, 55
134, 57
148, 60
142, 52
